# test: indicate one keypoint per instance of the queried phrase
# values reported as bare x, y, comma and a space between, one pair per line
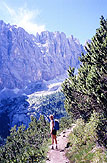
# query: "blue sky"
79, 18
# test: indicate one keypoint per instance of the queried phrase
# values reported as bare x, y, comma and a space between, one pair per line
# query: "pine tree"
87, 91
25, 145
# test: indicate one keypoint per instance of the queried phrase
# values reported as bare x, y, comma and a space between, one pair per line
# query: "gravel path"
58, 155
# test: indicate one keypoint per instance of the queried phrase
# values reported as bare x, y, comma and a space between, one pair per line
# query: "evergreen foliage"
83, 142
87, 91
26, 145
31, 144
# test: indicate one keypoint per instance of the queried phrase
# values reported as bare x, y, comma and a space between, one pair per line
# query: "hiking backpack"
56, 124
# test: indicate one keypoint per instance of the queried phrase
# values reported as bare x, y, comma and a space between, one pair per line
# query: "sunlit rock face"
26, 58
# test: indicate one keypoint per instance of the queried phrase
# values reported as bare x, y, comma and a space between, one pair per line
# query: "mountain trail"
58, 155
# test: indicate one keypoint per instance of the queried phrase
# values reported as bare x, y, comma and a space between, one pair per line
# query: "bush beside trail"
83, 146
86, 92
26, 145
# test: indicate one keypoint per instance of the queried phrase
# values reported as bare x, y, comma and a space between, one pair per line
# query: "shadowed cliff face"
13, 111
4, 124
18, 110
25, 58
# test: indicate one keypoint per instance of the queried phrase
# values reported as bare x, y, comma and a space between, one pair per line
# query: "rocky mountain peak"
25, 58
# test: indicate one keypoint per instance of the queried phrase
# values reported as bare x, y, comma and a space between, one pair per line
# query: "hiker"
53, 131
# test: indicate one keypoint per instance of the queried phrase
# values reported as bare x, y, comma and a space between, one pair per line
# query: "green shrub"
65, 122
83, 142
26, 145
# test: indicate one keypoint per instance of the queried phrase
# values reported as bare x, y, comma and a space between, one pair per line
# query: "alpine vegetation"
86, 100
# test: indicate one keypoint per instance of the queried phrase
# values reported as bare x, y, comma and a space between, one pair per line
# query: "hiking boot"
52, 147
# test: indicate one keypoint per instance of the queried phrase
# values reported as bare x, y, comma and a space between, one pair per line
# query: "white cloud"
26, 19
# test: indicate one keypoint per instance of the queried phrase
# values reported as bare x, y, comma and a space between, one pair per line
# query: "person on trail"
53, 131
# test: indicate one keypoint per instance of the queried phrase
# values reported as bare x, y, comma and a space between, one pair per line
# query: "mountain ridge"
27, 58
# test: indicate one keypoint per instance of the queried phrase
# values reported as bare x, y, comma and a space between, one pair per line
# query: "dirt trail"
58, 155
